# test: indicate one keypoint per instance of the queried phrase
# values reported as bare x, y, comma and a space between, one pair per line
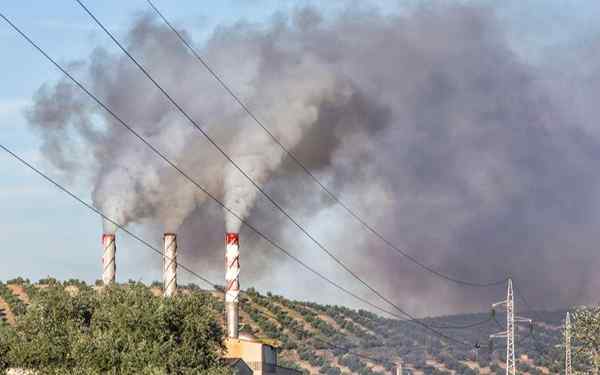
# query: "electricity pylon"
509, 334
568, 369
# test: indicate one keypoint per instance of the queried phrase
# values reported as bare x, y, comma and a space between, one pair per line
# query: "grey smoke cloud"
427, 124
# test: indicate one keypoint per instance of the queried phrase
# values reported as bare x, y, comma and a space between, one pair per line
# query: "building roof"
247, 336
235, 362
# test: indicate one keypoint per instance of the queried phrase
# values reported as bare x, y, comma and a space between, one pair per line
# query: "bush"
121, 330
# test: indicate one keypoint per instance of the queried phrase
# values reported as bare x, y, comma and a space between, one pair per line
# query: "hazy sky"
46, 233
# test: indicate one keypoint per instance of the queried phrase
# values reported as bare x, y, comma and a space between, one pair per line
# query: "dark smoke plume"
428, 124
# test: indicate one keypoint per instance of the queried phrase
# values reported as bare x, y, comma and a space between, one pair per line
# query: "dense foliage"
586, 339
119, 330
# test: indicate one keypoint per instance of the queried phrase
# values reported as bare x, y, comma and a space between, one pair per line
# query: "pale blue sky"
44, 232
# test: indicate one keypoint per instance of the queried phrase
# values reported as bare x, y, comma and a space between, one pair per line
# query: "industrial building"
259, 357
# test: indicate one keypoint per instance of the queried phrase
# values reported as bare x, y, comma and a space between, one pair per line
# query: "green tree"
121, 330
586, 336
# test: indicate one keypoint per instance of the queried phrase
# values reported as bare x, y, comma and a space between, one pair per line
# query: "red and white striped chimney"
232, 280
109, 266
169, 264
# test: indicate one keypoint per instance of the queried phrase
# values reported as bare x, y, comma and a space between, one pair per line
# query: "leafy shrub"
121, 330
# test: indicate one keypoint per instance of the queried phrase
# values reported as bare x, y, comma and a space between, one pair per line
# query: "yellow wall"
261, 358
249, 351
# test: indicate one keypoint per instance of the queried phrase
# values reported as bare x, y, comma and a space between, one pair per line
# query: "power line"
540, 347
156, 250
146, 243
205, 191
141, 240
348, 350
498, 323
410, 317
256, 185
172, 164
466, 326
330, 344
289, 153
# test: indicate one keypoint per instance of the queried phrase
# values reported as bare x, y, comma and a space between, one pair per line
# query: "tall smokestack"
109, 266
232, 280
170, 264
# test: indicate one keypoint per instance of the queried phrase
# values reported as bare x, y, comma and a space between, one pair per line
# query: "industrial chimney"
169, 264
232, 280
108, 258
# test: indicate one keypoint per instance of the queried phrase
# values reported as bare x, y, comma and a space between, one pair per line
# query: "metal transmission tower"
509, 334
568, 369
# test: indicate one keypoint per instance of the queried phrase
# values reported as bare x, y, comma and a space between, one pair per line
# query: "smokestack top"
232, 238
106, 236
169, 234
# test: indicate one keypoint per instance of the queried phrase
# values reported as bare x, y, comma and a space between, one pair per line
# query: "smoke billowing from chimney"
427, 123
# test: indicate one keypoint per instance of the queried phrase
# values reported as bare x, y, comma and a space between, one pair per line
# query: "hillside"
335, 339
